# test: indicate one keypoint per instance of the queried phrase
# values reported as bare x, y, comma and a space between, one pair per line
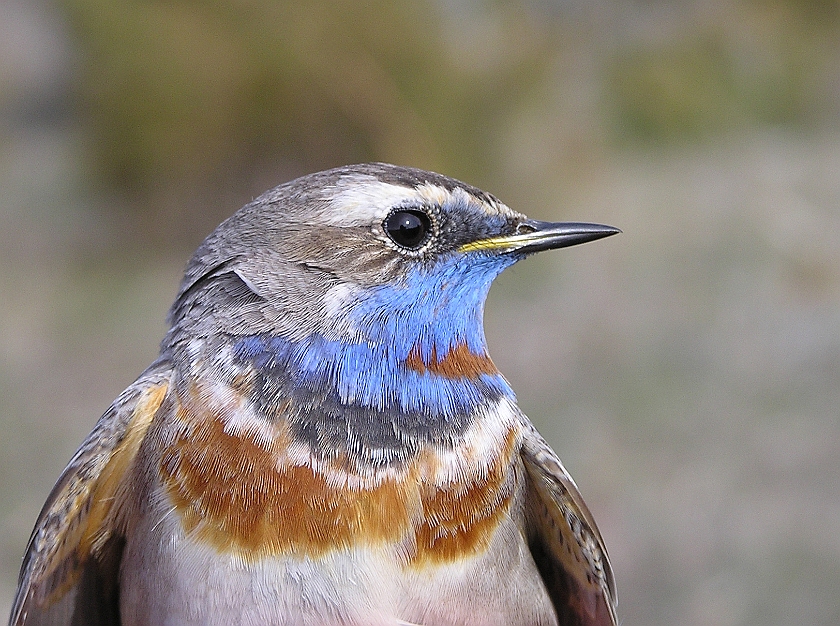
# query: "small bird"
324, 439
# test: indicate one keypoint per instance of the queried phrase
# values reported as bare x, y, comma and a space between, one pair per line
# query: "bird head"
362, 286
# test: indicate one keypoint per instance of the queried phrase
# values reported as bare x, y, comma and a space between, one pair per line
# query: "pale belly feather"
169, 579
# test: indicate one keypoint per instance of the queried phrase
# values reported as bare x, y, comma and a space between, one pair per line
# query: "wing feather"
565, 542
69, 571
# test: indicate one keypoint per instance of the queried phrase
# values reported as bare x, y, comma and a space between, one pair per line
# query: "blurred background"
687, 371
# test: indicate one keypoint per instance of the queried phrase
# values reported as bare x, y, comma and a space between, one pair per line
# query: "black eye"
408, 229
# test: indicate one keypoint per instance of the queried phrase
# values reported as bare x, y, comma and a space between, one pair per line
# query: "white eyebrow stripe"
361, 200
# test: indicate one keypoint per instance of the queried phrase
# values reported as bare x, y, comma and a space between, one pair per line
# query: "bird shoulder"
564, 540
71, 562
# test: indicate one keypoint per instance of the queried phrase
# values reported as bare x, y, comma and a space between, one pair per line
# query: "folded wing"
565, 542
70, 570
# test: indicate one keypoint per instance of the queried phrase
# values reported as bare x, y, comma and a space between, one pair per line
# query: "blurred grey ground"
686, 371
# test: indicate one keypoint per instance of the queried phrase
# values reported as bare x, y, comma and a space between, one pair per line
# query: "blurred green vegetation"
770, 63
191, 106
197, 94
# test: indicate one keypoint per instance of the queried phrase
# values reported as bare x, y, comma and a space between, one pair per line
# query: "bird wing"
564, 540
69, 573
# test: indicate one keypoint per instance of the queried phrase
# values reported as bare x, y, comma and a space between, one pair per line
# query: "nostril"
523, 228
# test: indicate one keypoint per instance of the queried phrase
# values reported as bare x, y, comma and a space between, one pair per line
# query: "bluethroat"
324, 439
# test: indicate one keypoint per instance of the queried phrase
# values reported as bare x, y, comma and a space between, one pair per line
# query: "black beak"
534, 236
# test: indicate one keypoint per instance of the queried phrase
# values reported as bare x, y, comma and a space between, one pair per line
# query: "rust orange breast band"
459, 362
243, 496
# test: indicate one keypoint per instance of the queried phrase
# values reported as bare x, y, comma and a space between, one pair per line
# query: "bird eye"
408, 229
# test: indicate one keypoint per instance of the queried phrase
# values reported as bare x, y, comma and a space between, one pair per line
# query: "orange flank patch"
245, 495
459, 362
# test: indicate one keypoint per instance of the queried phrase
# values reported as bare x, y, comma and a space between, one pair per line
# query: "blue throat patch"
418, 349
